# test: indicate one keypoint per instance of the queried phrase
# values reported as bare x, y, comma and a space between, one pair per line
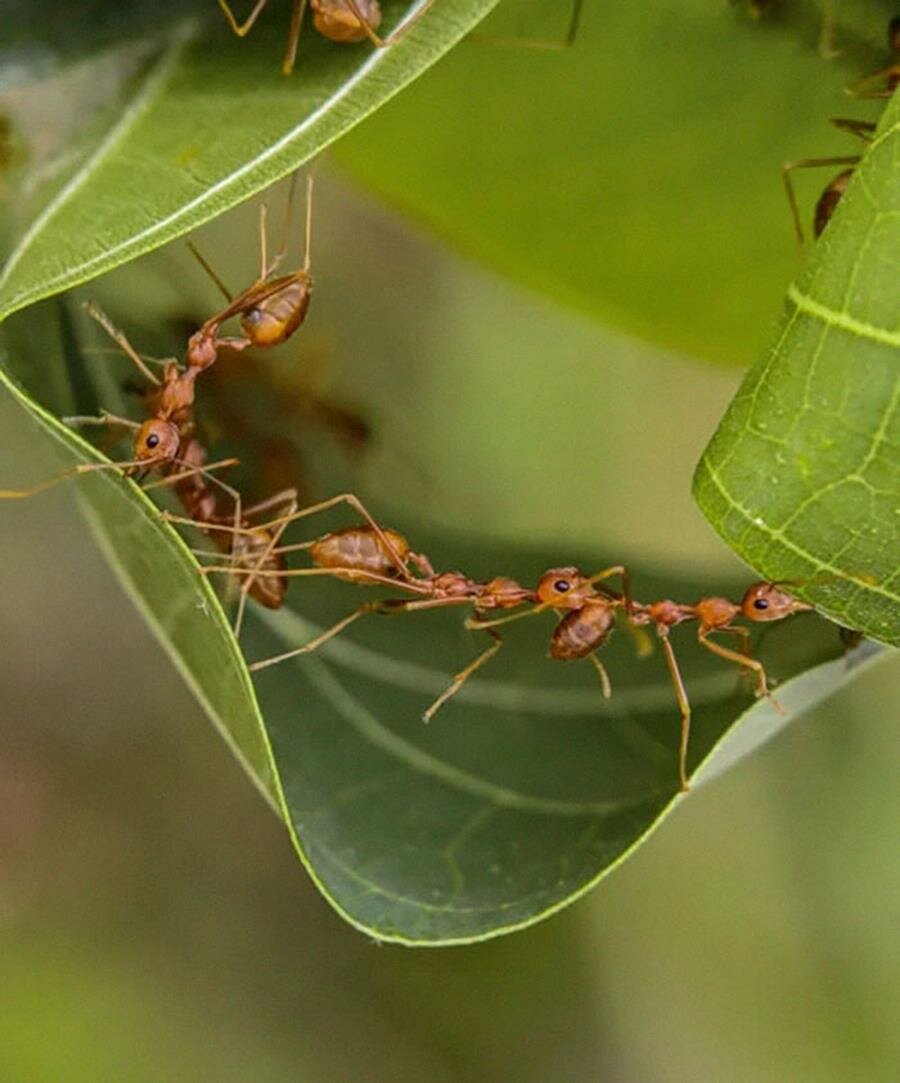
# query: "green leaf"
802, 476
633, 177
522, 794
150, 560
210, 122
518, 797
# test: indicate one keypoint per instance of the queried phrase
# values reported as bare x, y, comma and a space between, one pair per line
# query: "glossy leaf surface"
209, 121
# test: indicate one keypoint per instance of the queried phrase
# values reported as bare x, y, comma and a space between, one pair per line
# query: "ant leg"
97, 313
826, 32
863, 129
190, 472
350, 575
531, 43
744, 660
861, 88
464, 674
602, 674
744, 635
290, 53
104, 418
286, 497
73, 472
263, 242
307, 244
396, 33
223, 289
244, 28
684, 705
314, 644
622, 570
806, 163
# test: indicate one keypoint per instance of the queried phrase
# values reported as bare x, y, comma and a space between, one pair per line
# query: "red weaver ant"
343, 21
271, 309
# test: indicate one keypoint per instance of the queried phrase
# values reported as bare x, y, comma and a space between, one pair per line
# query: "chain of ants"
269, 312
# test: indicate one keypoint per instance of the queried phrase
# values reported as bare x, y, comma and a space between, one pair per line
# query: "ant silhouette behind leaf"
271, 309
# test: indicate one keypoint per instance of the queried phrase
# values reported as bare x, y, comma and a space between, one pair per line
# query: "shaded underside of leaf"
521, 793
210, 122
803, 475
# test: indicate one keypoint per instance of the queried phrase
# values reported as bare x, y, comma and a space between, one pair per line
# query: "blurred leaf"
802, 477
634, 176
210, 122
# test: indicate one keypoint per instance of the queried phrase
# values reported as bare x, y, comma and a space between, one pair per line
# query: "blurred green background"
154, 920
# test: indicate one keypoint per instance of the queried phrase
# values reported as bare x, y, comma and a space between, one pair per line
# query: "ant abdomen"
829, 199
335, 20
275, 318
361, 549
582, 631
255, 553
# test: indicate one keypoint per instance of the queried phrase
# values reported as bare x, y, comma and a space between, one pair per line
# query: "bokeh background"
154, 920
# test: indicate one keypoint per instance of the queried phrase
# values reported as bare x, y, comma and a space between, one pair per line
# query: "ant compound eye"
152, 440
760, 603
254, 316
561, 586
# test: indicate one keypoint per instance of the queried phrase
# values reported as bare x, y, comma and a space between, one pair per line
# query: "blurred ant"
889, 78
271, 309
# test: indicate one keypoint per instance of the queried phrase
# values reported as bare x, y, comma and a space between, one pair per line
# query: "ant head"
765, 601
201, 349
157, 441
560, 587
